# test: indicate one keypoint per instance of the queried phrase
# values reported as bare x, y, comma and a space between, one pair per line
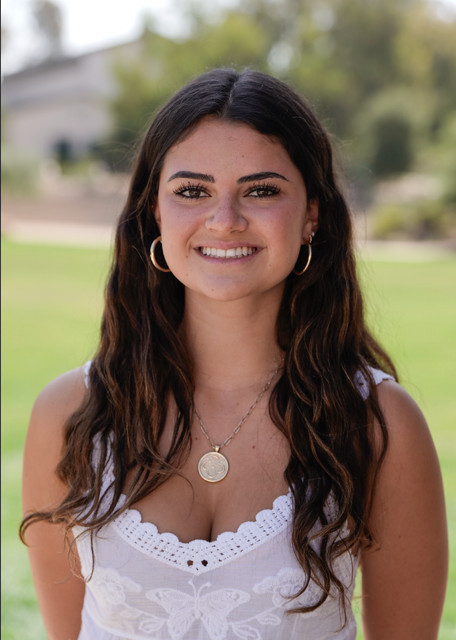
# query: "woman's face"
233, 212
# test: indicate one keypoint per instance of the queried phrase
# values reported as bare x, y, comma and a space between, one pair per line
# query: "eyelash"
265, 190
189, 186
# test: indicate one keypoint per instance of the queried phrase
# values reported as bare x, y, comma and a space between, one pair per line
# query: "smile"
238, 252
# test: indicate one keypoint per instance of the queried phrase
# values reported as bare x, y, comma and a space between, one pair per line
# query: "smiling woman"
238, 444
253, 194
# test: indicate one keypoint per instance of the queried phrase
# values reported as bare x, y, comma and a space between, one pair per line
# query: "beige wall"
60, 100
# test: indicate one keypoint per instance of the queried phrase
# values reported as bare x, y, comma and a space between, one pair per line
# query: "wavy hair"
337, 438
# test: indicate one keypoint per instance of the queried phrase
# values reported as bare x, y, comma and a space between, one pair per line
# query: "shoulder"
43, 446
60, 591
409, 559
59, 399
407, 428
411, 451
410, 466
71, 384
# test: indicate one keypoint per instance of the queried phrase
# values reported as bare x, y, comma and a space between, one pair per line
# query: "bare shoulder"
411, 468
43, 446
60, 591
406, 424
404, 574
58, 400
64, 392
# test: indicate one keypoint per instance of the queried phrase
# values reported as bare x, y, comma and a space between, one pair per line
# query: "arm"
404, 575
60, 592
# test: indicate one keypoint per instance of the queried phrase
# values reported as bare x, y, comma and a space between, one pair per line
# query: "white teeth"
238, 252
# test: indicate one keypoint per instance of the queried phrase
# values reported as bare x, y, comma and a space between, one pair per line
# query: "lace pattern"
198, 609
199, 556
148, 585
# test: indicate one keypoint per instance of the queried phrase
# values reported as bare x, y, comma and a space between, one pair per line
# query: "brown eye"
263, 191
191, 191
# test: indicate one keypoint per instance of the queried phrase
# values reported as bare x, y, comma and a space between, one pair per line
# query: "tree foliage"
381, 73
48, 19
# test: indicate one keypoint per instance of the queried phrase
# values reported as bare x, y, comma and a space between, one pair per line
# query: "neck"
233, 345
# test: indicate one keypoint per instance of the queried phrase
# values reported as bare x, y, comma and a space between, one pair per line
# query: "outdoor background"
382, 77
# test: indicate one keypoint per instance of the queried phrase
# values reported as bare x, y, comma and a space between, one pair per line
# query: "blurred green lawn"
52, 299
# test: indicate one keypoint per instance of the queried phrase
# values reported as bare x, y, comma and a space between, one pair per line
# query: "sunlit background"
80, 81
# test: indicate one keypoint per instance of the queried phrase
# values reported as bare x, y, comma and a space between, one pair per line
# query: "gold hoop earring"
309, 258
153, 258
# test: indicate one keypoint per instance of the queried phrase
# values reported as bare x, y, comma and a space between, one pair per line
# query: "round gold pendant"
213, 466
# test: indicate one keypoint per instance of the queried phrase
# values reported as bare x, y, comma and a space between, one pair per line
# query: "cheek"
175, 224
289, 227
176, 231
285, 245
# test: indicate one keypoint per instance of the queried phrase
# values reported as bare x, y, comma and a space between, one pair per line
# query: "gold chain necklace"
213, 466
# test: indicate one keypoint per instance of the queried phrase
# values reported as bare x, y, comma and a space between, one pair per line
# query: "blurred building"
60, 108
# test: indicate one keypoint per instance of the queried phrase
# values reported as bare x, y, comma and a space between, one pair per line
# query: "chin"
223, 292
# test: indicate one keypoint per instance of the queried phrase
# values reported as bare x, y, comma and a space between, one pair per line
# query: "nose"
226, 218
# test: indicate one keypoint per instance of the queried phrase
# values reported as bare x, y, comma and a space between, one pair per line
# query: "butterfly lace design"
211, 608
177, 612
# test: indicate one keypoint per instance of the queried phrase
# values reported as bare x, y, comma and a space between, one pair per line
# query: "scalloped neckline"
198, 556
150, 529
264, 514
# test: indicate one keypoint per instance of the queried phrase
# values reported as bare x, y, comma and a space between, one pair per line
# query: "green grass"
52, 299
412, 309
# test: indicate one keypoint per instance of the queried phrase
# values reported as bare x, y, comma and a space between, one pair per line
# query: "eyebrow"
253, 177
192, 176
264, 175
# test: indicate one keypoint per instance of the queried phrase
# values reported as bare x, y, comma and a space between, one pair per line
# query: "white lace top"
149, 585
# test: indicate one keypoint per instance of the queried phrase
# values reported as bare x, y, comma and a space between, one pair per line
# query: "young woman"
238, 445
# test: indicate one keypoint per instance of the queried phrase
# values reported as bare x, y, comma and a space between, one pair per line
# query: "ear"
311, 222
157, 216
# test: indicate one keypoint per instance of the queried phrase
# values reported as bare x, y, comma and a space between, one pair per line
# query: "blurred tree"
381, 73
392, 146
48, 19
444, 160
163, 65
426, 57
340, 51
392, 127
237, 41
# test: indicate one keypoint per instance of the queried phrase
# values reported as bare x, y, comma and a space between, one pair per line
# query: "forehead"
215, 142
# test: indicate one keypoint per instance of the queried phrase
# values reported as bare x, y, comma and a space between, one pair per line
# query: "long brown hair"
141, 359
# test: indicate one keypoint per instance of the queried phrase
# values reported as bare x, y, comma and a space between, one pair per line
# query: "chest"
192, 508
